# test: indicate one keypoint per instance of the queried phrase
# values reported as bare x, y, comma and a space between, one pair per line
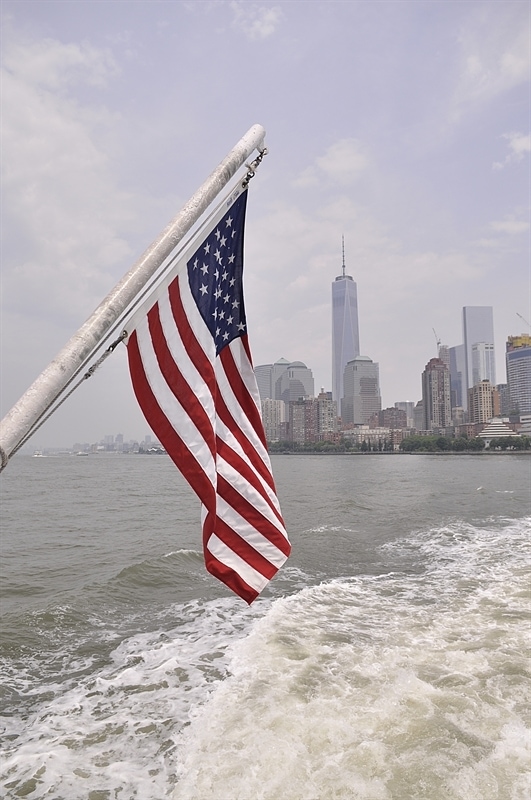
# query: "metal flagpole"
50, 383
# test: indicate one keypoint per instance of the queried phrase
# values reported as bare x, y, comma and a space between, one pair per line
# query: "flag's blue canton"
215, 276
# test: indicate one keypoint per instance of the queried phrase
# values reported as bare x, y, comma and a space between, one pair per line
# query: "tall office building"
444, 354
457, 376
483, 402
436, 395
274, 418
408, 406
345, 328
295, 382
505, 399
518, 360
327, 411
267, 376
361, 398
478, 327
482, 362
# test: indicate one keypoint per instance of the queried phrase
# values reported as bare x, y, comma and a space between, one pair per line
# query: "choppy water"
389, 660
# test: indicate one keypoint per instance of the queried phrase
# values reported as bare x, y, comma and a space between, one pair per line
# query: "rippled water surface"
389, 659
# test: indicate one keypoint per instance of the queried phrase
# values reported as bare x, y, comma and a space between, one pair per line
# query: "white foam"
384, 687
113, 731
373, 688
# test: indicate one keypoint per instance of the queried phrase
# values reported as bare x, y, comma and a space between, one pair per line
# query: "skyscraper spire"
343, 249
345, 330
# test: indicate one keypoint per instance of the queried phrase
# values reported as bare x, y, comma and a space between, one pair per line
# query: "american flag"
192, 374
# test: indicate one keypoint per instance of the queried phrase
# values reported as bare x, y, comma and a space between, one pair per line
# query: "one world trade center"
345, 328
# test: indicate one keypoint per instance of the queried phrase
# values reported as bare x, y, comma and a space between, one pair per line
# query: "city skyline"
425, 171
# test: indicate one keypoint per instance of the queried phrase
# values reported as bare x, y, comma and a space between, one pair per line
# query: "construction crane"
524, 320
437, 340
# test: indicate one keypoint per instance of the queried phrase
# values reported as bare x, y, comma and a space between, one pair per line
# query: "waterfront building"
303, 420
518, 361
459, 416
284, 380
418, 416
267, 376
483, 402
392, 418
505, 399
312, 419
497, 428
436, 396
379, 438
274, 419
409, 408
478, 327
345, 328
361, 393
295, 381
468, 430
327, 415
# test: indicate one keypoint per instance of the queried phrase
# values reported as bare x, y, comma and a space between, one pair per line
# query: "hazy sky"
402, 125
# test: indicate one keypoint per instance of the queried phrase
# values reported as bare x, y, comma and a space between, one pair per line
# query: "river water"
388, 660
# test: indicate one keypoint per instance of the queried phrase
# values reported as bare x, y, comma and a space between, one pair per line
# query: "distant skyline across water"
424, 171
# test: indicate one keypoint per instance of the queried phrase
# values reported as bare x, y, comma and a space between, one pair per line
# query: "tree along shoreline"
485, 452
410, 445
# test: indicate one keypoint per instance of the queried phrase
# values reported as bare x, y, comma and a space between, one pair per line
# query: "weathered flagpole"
42, 393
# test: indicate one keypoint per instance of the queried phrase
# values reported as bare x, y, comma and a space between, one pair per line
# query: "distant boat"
38, 454
81, 454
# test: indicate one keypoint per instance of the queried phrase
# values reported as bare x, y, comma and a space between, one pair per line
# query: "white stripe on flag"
249, 493
170, 406
180, 356
233, 561
249, 534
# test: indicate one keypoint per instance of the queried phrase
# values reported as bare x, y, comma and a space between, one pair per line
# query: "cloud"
256, 22
495, 56
519, 145
54, 65
342, 164
66, 220
510, 226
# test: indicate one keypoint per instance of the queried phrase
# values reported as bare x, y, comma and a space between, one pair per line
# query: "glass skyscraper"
518, 359
478, 328
345, 328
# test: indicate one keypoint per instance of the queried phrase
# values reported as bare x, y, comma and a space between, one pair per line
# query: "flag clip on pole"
41, 395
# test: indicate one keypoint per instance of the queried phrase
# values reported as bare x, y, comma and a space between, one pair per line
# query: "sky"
402, 126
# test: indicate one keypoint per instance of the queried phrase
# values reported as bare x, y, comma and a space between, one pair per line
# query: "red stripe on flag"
230, 578
244, 550
195, 352
251, 514
162, 427
177, 382
232, 458
241, 392
247, 446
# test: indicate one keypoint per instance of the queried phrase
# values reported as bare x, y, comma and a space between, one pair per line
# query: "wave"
383, 686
